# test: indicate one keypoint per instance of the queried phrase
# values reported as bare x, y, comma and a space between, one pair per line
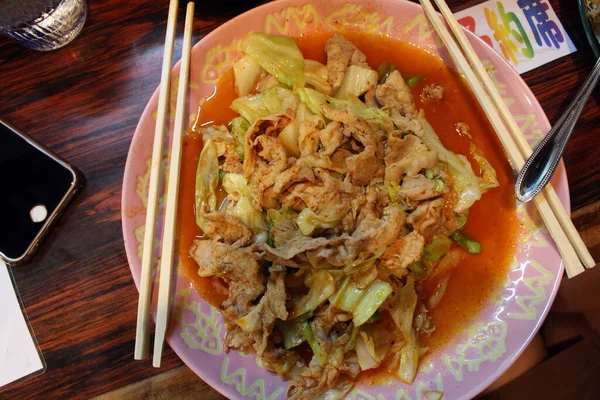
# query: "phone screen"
33, 186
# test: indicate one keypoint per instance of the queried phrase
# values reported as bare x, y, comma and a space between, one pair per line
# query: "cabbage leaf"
239, 126
376, 117
438, 293
365, 352
215, 132
318, 351
489, 176
313, 99
448, 262
281, 214
308, 221
207, 179
291, 332
236, 186
357, 80
280, 365
315, 75
246, 72
279, 56
361, 303
266, 83
376, 294
466, 185
272, 100
322, 285
289, 136
409, 359
240, 192
403, 304
372, 346
363, 262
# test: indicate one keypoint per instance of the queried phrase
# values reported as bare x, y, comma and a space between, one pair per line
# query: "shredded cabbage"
240, 192
279, 56
239, 126
438, 293
322, 285
291, 332
357, 80
448, 262
372, 346
347, 297
361, 303
308, 221
365, 352
313, 99
319, 355
376, 117
207, 179
214, 132
280, 365
315, 75
266, 83
278, 215
236, 186
489, 176
246, 71
409, 359
290, 134
467, 186
246, 213
272, 100
251, 321
403, 304
363, 262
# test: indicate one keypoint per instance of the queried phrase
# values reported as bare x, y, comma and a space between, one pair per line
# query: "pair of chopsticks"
168, 237
574, 253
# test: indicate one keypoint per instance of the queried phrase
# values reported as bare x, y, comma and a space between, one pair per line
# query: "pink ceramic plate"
473, 360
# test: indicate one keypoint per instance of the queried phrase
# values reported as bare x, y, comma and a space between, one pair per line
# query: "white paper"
18, 353
526, 33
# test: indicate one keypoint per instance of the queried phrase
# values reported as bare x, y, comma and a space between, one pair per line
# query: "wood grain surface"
83, 102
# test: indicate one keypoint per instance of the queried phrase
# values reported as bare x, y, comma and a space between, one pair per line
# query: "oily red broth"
492, 220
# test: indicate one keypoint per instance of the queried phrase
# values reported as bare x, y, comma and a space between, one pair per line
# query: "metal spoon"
538, 170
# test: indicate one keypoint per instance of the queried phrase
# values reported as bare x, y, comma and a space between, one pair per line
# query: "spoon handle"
538, 169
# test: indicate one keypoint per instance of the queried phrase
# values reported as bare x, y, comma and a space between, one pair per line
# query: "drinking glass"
42, 24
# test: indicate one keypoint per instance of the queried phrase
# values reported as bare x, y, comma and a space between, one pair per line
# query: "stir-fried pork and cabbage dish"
339, 201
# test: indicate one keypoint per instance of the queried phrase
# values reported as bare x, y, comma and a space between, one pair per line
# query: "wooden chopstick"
550, 194
570, 257
143, 316
167, 253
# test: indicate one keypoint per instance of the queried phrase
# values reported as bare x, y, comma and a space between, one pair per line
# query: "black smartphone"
36, 186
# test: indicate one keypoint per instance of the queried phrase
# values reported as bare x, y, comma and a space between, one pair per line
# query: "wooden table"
83, 102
